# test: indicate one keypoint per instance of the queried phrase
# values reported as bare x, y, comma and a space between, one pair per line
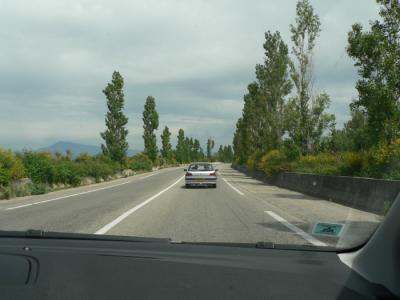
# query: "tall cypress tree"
196, 150
115, 135
210, 146
306, 116
166, 150
150, 124
180, 146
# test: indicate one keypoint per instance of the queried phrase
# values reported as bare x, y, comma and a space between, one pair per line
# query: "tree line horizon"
115, 136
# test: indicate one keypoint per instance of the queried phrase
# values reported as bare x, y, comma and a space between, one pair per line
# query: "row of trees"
268, 114
115, 136
282, 112
225, 153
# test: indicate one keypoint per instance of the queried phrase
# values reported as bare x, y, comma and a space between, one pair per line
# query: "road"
156, 204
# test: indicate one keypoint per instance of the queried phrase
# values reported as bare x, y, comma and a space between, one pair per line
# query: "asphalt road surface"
156, 204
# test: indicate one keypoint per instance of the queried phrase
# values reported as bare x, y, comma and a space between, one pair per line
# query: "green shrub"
291, 150
384, 161
173, 162
323, 164
39, 189
5, 192
140, 162
352, 164
253, 161
39, 166
274, 162
4, 177
12, 167
83, 157
98, 169
17, 171
67, 171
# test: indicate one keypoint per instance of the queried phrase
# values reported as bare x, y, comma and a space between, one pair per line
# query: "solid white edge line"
78, 194
67, 196
297, 230
149, 175
113, 223
235, 189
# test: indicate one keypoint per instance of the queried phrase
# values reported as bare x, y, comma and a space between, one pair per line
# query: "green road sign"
331, 229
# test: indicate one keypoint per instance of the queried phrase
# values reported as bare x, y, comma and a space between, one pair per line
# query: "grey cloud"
195, 57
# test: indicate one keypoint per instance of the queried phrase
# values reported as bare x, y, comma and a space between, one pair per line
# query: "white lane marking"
297, 230
235, 189
113, 223
78, 194
149, 175
67, 196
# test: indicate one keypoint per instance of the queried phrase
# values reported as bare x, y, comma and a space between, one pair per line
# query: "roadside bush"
67, 171
323, 164
140, 162
383, 161
173, 162
83, 157
39, 166
274, 162
11, 167
158, 162
352, 164
5, 192
291, 150
17, 171
4, 177
39, 189
254, 160
98, 169
45, 169
164, 162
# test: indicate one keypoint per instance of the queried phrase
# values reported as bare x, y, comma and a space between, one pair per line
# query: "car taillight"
212, 174
188, 174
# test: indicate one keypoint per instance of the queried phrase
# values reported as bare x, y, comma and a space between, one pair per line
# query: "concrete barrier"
368, 194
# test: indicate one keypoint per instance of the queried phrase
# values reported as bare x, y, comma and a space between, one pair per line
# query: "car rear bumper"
201, 181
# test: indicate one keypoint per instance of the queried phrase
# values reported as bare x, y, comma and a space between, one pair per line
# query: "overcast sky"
195, 57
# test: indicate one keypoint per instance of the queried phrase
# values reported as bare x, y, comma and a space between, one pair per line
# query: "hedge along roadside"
32, 173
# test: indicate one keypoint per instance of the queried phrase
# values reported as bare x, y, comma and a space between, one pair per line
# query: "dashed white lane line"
78, 194
297, 230
115, 222
235, 189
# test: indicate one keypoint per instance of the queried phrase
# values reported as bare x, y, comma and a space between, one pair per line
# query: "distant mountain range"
77, 149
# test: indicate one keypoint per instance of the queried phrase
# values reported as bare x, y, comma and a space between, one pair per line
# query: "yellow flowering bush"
252, 162
274, 162
384, 161
352, 163
11, 167
323, 163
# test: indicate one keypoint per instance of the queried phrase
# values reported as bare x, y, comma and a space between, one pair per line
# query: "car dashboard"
58, 268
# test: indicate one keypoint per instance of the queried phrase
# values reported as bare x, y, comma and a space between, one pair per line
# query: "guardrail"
367, 194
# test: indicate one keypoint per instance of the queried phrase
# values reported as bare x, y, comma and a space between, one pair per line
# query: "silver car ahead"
201, 174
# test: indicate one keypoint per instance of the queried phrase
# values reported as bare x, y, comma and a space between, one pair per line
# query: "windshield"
108, 109
200, 167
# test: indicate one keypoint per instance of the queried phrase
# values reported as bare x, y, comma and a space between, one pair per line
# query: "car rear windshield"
201, 167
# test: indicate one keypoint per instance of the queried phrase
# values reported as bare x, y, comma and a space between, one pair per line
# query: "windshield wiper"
41, 234
265, 245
